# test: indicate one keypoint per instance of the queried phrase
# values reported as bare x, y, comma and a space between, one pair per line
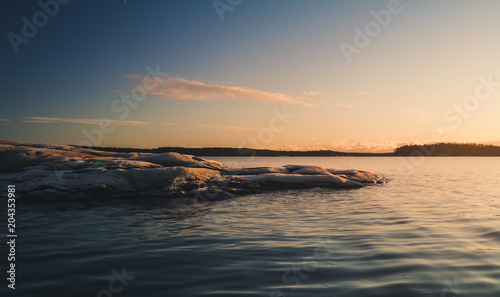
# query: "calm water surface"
433, 230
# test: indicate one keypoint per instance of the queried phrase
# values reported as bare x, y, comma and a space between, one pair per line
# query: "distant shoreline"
428, 150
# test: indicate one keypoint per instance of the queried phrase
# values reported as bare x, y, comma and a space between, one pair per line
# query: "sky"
284, 74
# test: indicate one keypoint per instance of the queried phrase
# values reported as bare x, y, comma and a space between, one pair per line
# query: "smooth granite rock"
63, 171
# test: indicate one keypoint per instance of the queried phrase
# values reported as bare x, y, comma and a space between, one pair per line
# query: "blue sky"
222, 81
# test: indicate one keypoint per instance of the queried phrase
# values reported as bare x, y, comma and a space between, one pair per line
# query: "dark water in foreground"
433, 230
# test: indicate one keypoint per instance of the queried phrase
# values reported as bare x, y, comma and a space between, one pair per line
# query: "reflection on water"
431, 231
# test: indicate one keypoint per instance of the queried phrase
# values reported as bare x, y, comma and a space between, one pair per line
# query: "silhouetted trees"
448, 149
438, 149
236, 152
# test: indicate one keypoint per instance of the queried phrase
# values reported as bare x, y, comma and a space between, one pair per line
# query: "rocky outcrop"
46, 171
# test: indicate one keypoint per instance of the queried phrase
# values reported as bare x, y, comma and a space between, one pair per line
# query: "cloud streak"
382, 146
227, 128
182, 89
49, 120
319, 99
350, 146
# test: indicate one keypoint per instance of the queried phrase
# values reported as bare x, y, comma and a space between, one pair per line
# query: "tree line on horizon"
448, 149
437, 149
235, 152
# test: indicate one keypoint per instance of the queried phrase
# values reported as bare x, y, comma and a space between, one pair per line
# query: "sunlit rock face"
59, 171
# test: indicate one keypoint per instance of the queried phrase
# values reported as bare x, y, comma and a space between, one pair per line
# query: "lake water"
432, 230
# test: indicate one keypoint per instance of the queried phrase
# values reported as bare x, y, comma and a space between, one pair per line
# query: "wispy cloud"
380, 146
227, 128
345, 145
319, 99
182, 89
4, 121
164, 126
48, 120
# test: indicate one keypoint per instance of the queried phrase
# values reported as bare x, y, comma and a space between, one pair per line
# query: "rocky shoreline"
64, 171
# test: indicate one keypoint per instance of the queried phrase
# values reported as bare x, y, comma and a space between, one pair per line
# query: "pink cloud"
182, 89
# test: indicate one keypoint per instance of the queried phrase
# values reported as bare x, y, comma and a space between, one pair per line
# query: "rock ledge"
45, 171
